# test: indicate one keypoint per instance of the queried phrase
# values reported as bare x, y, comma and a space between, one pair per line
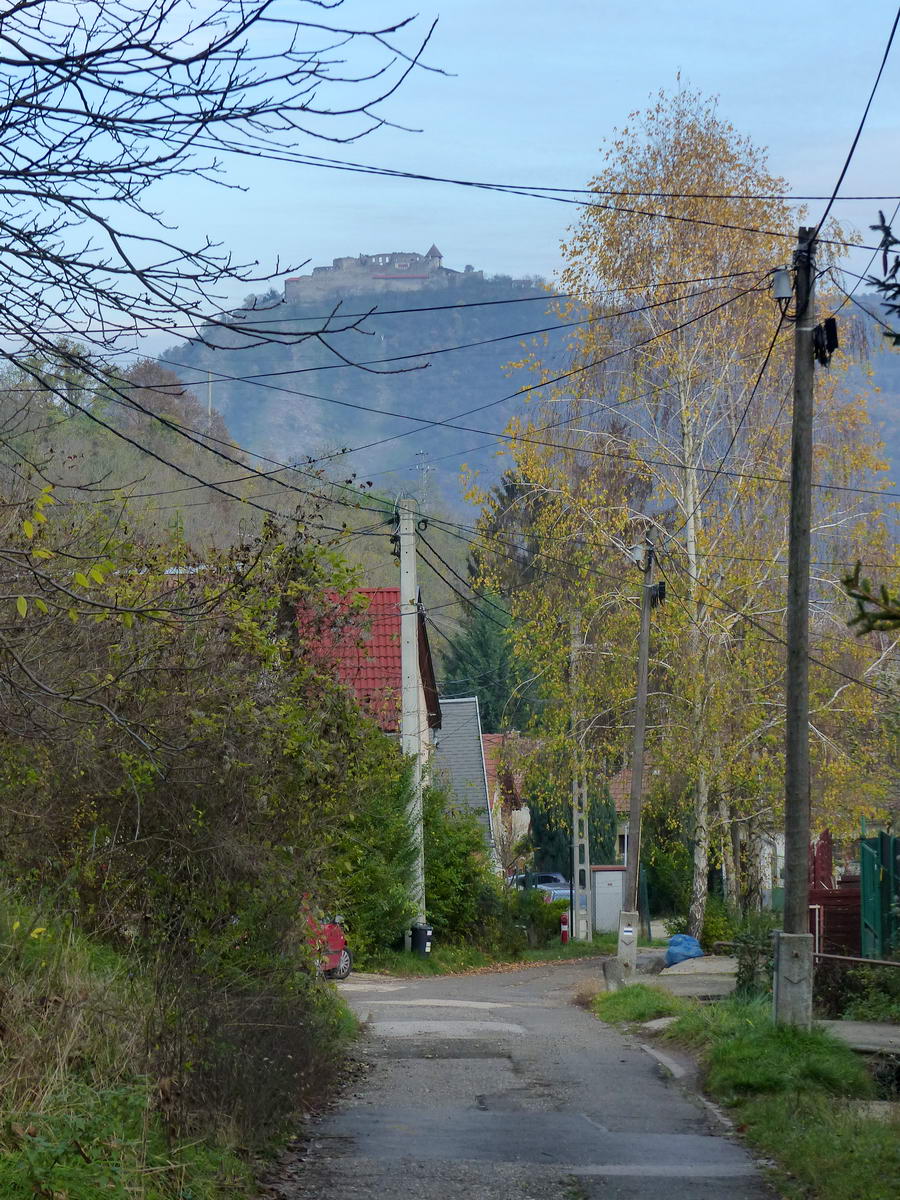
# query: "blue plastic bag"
682, 947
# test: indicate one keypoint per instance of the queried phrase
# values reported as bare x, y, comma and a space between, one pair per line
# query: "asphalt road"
495, 1087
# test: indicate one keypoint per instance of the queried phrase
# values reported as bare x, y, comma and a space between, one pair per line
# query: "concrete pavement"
495, 1087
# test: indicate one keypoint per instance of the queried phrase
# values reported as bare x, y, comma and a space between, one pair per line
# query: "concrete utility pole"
794, 947
410, 714
628, 917
582, 923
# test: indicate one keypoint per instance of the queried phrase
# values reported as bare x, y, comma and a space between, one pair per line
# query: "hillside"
430, 347
303, 400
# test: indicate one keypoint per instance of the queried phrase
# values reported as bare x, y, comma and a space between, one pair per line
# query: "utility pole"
581, 924
411, 733
628, 917
794, 947
208, 401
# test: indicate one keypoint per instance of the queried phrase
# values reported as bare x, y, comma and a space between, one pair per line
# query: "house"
364, 652
458, 762
510, 815
620, 794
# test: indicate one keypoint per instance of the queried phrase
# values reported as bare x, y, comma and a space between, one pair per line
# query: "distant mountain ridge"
303, 400
437, 343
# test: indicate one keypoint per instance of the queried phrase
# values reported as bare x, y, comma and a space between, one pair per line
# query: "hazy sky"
533, 88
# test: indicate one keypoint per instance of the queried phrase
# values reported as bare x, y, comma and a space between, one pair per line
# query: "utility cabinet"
608, 889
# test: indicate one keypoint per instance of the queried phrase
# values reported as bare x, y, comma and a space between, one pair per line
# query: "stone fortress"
399, 271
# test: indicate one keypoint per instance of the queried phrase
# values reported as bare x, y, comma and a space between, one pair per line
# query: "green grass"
787, 1089
826, 1152
637, 1002
78, 1117
447, 959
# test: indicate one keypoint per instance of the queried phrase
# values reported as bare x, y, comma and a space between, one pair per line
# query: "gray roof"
458, 760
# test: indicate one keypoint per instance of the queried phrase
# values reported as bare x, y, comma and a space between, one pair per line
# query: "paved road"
495, 1087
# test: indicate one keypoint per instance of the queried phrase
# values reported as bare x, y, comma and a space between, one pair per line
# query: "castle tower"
434, 257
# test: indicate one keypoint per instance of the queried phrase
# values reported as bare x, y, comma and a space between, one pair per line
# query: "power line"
726, 605
859, 130
543, 195
458, 305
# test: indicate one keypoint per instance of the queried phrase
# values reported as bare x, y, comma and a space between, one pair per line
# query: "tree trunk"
756, 849
699, 883
729, 873
736, 834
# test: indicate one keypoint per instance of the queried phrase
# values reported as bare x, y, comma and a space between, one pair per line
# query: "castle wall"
397, 271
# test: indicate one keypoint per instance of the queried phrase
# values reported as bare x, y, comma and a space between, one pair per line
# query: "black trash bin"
421, 939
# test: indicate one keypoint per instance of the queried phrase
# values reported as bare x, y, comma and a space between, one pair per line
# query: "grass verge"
447, 959
790, 1092
637, 1003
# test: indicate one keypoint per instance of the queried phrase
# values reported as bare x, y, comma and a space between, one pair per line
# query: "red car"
329, 944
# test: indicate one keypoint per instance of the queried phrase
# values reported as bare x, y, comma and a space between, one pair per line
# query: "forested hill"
298, 402
428, 354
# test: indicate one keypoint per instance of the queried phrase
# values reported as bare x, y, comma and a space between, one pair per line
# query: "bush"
857, 993
539, 915
461, 890
754, 949
718, 924
80, 1114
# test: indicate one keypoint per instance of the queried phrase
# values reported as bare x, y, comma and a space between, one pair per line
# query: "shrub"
718, 924
857, 993
460, 886
754, 950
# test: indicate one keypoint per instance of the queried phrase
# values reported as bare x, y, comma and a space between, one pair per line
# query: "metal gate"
879, 871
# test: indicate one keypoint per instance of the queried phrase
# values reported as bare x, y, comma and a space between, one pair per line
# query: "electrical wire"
858, 134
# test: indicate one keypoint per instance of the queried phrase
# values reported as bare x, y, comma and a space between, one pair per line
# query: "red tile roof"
365, 655
620, 786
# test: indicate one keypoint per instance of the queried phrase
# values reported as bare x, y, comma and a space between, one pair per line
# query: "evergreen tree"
480, 662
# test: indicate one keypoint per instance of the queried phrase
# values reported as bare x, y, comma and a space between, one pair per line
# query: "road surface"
495, 1087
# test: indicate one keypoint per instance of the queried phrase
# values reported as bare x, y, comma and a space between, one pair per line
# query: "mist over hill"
428, 354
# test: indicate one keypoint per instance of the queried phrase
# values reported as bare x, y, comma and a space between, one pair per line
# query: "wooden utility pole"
793, 961
411, 734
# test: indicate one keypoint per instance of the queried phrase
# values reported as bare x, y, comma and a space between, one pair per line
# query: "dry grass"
587, 992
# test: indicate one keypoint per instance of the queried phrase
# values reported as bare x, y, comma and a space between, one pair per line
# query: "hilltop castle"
399, 271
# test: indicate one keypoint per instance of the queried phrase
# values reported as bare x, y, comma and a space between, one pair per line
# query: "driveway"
495, 1087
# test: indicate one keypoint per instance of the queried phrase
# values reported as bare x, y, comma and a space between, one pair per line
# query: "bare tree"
101, 100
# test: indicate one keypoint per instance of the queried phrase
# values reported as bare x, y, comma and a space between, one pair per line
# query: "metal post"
411, 733
628, 917
793, 964
632, 871
582, 918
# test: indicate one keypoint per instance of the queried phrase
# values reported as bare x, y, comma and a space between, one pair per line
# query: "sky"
531, 92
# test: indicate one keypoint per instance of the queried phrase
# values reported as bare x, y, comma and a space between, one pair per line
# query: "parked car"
548, 880
329, 943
